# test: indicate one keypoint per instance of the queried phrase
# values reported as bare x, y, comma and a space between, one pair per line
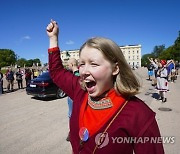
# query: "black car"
43, 86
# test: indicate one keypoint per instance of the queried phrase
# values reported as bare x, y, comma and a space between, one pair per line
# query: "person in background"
173, 75
36, 73
150, 68
33, 73
28, 75
19, 78
162, 83
10, 79
104, 101
1, 82
72, 67
177, 65
155, 64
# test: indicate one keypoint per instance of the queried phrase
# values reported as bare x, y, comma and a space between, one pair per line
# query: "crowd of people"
17, 76
161, 72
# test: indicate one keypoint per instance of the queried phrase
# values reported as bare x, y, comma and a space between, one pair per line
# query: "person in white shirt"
162, 83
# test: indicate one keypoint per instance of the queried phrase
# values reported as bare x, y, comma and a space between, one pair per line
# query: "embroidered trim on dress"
101, 104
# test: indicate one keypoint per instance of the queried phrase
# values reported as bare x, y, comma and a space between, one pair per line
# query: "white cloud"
25, 38
70, 42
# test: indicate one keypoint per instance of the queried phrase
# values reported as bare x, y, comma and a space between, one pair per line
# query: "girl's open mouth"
90, 85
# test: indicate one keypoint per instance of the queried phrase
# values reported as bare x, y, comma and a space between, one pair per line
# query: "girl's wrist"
53, 42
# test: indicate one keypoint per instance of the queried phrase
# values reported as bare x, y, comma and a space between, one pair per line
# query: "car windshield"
44, 75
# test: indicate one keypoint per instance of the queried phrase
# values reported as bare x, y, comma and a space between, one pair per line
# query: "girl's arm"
60, 76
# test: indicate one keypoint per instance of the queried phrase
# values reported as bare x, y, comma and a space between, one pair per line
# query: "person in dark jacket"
10, 79
19, 78
28, 75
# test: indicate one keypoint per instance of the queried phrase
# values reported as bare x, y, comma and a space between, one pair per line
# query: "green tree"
166, 54
144, 59
158, 50
29, 63
176, 49
7, 57
172, 52
21, 62
37, 61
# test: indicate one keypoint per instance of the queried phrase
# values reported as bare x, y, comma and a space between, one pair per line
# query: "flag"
170, 65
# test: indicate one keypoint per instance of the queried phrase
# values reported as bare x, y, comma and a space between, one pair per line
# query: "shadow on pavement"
155, 95
46, 98
9, 91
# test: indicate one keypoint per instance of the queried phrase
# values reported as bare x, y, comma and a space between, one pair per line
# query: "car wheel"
60, 93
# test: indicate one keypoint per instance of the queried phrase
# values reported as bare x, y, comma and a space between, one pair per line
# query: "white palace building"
132, 53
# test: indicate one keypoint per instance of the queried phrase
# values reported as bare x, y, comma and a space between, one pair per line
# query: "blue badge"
83, 134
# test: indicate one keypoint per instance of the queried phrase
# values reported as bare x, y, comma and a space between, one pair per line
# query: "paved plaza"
32, 126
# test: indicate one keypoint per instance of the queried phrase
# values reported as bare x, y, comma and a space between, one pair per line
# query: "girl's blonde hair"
125, 82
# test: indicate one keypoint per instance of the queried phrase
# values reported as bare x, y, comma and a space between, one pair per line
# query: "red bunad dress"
121, 129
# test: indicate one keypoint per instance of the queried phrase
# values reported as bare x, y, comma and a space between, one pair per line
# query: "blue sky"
146, 22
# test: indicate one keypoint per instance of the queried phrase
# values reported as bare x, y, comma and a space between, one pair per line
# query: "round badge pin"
83, 134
